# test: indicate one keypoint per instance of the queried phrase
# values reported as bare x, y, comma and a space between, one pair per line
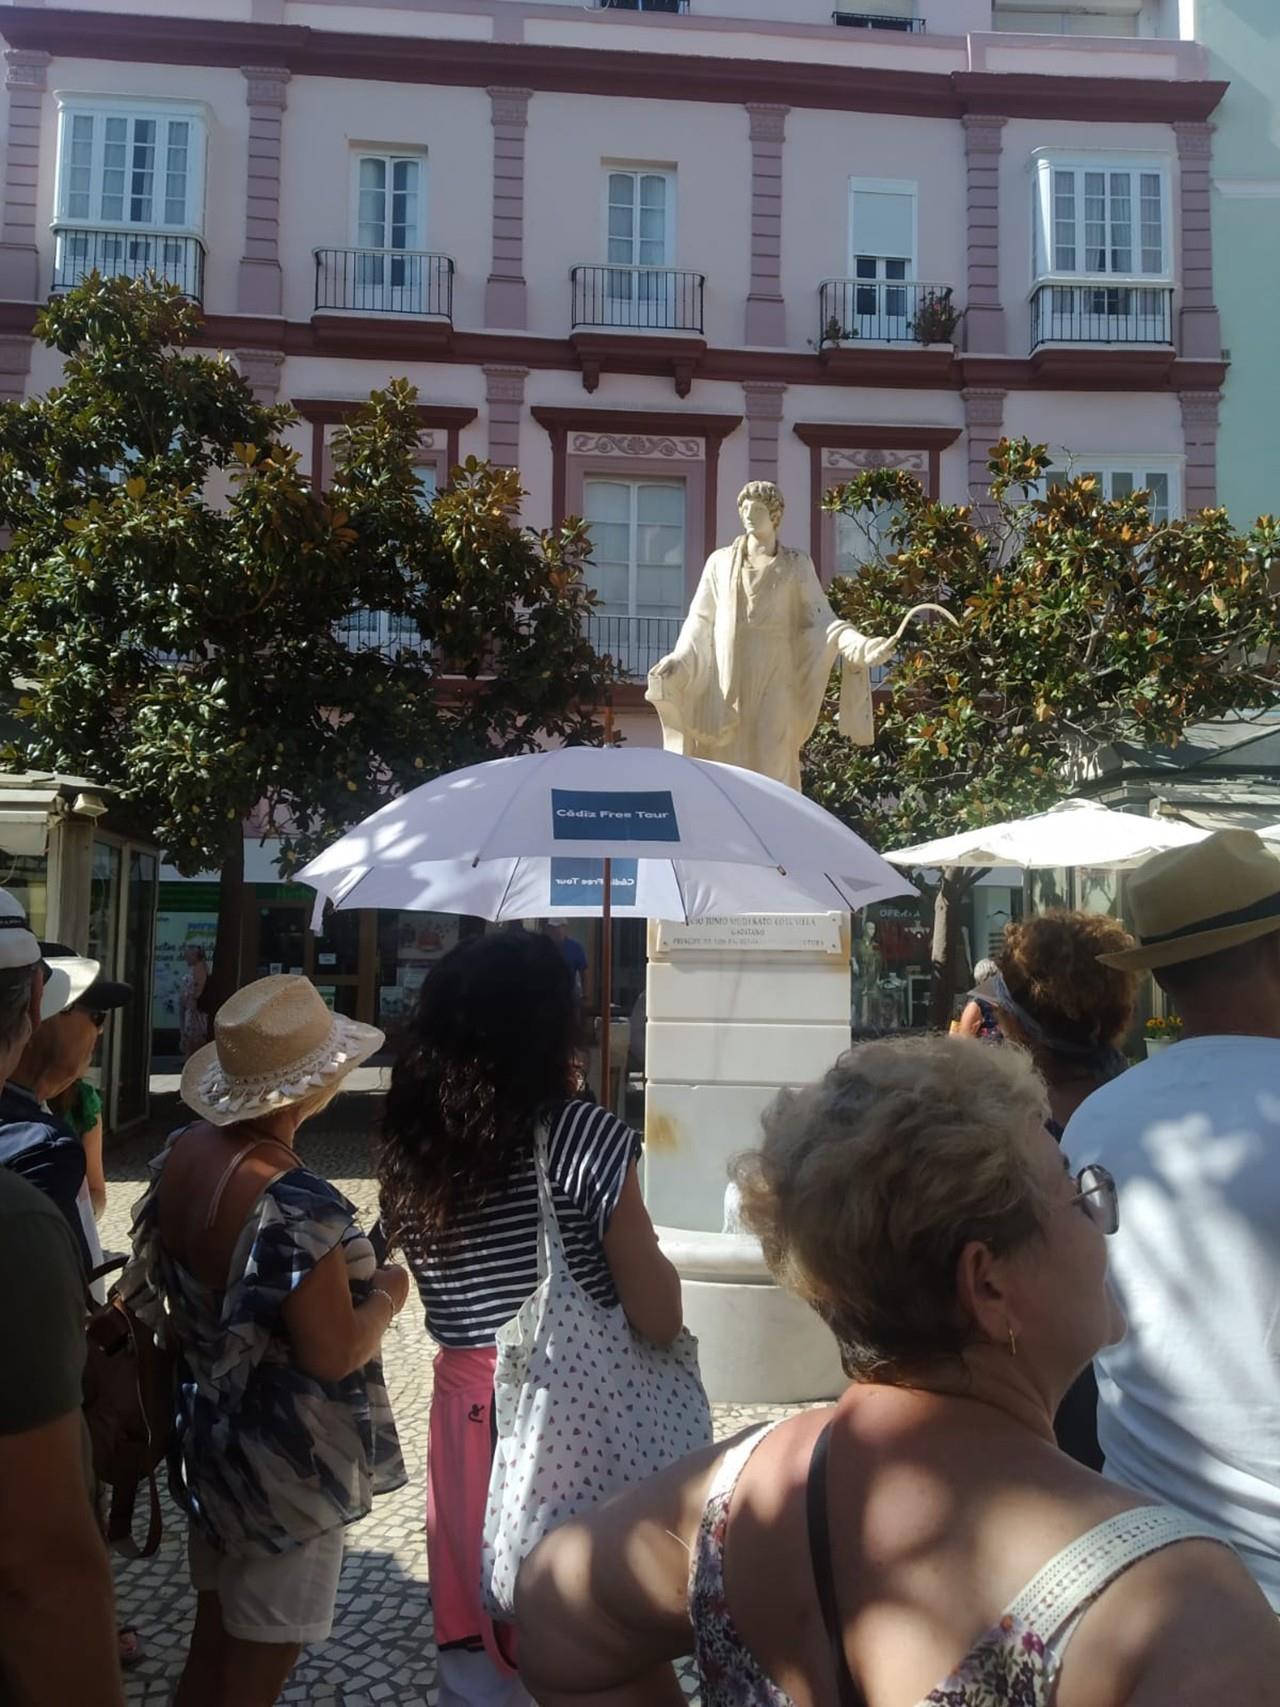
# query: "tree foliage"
192, 623
1083, 623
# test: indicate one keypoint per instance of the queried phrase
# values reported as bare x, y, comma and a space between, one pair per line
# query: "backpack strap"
847, 1692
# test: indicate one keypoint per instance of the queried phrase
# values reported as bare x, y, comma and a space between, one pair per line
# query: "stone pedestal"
736, 1009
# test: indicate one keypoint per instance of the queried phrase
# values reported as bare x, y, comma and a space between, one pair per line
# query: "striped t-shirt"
490, 1264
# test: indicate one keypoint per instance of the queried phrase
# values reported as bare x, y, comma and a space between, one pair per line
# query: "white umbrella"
1074, 833
627, 832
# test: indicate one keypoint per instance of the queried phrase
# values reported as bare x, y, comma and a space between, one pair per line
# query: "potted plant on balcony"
834, 333
935, 319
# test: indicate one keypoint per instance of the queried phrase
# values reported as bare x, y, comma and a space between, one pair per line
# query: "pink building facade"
650, 249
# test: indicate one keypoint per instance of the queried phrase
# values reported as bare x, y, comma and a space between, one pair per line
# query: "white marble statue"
746, 680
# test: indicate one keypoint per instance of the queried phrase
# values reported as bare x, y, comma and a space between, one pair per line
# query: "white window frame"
639, 170
891, 187
101, 107
635, 482
1081, 463
374, 151
1045, 162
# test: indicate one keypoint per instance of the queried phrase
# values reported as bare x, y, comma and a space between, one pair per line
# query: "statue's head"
758, 499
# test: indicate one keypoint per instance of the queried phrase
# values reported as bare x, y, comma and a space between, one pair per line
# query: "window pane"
1122, 483
1157, 485
371, 204
622, 189
79, 180
1064, 222
175, 175
142, 171
1152, 223
653, 192
425, 478
373, 173
1095, 222
606, 501
656, 503
866, 267
114, 159
882, 221
1121, 223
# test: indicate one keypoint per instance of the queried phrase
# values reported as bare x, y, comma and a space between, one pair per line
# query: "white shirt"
1189, 1401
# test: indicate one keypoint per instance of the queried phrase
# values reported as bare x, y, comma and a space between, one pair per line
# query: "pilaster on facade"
260, 286
504, 394
26, 78
766, 313
1199, 328
263, 370
984, 428
1200, 416
764, 427
984, 314
15, 368
505, 295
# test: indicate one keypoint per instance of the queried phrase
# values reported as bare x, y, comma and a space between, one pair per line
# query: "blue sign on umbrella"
574, 881
586, 815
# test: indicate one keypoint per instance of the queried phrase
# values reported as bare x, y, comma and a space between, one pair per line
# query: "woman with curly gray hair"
926, 1527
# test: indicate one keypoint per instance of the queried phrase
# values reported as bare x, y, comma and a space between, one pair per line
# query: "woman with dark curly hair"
1054, 996
488, 1064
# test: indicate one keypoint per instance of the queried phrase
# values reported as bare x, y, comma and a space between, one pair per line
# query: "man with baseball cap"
1189, 1401
51, 1553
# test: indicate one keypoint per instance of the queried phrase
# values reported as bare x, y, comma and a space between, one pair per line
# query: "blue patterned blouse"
271, 1456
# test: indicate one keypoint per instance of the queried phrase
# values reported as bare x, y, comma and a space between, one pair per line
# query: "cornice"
304, 51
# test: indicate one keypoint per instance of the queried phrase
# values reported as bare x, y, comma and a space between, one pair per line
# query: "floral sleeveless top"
1015, 1664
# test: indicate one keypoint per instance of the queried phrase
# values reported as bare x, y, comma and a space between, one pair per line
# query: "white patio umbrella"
1074, 833
626, 832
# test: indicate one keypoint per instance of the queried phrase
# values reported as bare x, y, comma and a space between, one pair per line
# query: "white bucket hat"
66, 976
275, 1043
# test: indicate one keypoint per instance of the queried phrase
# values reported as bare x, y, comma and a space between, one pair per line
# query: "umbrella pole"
606, 984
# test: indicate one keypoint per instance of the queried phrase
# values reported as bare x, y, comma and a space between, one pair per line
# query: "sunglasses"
1096, 1194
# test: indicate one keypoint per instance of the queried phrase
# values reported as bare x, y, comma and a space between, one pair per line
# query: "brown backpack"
130, 1384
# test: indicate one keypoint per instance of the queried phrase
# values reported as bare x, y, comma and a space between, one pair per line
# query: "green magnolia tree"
1082, 623
188, 620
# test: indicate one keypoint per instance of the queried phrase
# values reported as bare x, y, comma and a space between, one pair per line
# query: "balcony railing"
885, 311
77, 252
642, 5
649, 299
637, 642
1102, 314
384, 281
874, 21
384, 632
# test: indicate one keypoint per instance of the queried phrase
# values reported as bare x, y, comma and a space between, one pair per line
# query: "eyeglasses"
1096, 1194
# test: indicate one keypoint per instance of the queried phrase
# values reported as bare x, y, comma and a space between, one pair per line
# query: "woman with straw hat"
255, 1268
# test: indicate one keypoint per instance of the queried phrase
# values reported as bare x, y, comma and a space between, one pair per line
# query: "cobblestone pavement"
381, 1652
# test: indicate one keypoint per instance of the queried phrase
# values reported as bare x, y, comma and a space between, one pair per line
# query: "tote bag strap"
550, 1244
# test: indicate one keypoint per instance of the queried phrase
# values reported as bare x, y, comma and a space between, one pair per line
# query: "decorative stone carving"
504, 384
262, 370
983, 134
768, 123
1200, 408
911, 461
1195, 139
266, 85
983, 406
26, 68
509, 106
660, 448
764, 400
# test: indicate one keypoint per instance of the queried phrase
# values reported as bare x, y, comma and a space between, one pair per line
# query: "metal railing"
385, 281
885, 311
384, 632
873, 21
1102, 314
651, 299
77, 252
642, 5
637, 642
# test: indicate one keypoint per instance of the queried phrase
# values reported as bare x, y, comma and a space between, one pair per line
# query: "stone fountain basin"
757, 1344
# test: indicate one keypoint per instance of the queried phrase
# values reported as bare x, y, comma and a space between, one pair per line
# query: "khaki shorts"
271, 1597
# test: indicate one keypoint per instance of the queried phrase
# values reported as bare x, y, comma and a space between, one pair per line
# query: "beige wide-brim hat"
1198, 900
275, 1043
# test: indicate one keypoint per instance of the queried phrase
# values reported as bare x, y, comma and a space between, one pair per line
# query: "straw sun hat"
275, 1043
1198, 900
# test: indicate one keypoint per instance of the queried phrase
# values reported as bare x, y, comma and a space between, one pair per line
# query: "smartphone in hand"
378, 1239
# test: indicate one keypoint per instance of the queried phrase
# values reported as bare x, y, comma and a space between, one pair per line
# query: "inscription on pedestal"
770, 933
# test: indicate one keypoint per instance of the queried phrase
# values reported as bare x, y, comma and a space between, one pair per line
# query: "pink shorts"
459, 1458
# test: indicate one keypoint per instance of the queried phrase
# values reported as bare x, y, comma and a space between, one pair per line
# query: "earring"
1013, 1343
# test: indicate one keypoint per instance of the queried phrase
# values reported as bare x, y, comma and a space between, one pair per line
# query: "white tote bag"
583, 1407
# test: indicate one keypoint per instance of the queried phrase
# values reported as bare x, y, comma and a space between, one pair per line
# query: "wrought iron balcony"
649, 299
642, 5
1102, 314
637, 642
384, 632
873, 21
79, 251
885, 311
384, 281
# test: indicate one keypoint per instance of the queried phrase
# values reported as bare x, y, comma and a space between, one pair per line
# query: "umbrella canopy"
1075, 833
527, 837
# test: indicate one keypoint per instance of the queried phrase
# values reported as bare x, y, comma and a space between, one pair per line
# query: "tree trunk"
224, 979
955, 885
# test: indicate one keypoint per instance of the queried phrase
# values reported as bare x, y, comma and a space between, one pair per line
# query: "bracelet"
383, 1293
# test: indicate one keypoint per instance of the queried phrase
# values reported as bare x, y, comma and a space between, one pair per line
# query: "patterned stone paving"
381, 1653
